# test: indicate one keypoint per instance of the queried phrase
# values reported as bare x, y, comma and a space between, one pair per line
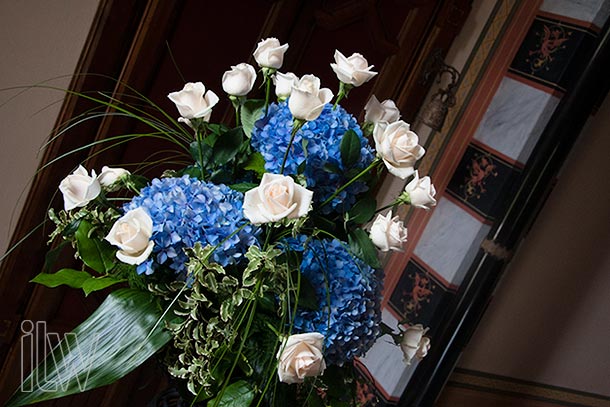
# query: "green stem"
296, 126
372, 165
392, 205
344, 89
267, 74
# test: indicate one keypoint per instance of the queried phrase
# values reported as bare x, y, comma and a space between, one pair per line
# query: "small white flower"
385, 111
354, 70
193, 102
421, 192
109, 176
131, 234
307, 99
414, 344
398, 147
277, 197
239, 80
283, 84
79, 188
388, 233
301, 356
270, 53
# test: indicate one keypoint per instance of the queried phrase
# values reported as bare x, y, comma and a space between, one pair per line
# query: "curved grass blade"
120, 335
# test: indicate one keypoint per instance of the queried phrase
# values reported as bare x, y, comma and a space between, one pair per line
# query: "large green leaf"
118, 337
76, 279
251, 111
95, 253
238, 394
227, 146
361, 245
350, 148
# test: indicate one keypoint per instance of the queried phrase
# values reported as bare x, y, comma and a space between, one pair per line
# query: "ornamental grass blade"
112, 342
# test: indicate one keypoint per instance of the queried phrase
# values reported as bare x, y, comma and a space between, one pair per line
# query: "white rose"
385, 111
277, 197
239, 80
354, 70
388, 233
307, 99
300, 356
283, 84
193, 102
414, 344
397, 146
131, 233
269, 53
109, 176
79, 188
421, 192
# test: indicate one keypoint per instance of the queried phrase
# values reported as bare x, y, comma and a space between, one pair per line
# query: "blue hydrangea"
350, 321
317, 144
185, 211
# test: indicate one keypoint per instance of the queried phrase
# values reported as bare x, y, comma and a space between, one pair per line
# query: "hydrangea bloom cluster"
318, 145
350, 322
185, 211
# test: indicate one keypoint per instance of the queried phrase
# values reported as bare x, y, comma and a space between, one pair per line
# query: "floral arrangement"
249, 272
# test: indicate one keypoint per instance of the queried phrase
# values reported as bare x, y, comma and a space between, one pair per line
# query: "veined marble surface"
593, 11
451, 241
515, 119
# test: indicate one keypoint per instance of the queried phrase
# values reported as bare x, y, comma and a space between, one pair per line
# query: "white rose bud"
385, 111
270, 53
301, 356
277, 197
109, 176
283, 84
307, 99
354, 70
131, 234
397, 146
79, 188
193, 102
388, 233
421, 192
239, 80
414, 344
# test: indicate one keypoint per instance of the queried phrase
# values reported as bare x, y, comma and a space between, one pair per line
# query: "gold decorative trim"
496, 250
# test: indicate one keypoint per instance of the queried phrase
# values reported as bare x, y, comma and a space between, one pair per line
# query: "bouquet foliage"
248, 271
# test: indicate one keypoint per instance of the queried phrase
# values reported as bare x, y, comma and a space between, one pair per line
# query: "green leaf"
71, 278
361, 245
95, 253
256, 163
350, 148
363, 210
118, 337
51, 257
99, 283
238, 394
201, 152
243, 186
227, 146
251, 111
332, 168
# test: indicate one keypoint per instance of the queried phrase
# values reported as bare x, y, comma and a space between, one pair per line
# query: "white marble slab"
515, 119
593, 11
385, 362
450, 241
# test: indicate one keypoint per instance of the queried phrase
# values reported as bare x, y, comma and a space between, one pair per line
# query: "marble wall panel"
450, 241
515, 119
593, 11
